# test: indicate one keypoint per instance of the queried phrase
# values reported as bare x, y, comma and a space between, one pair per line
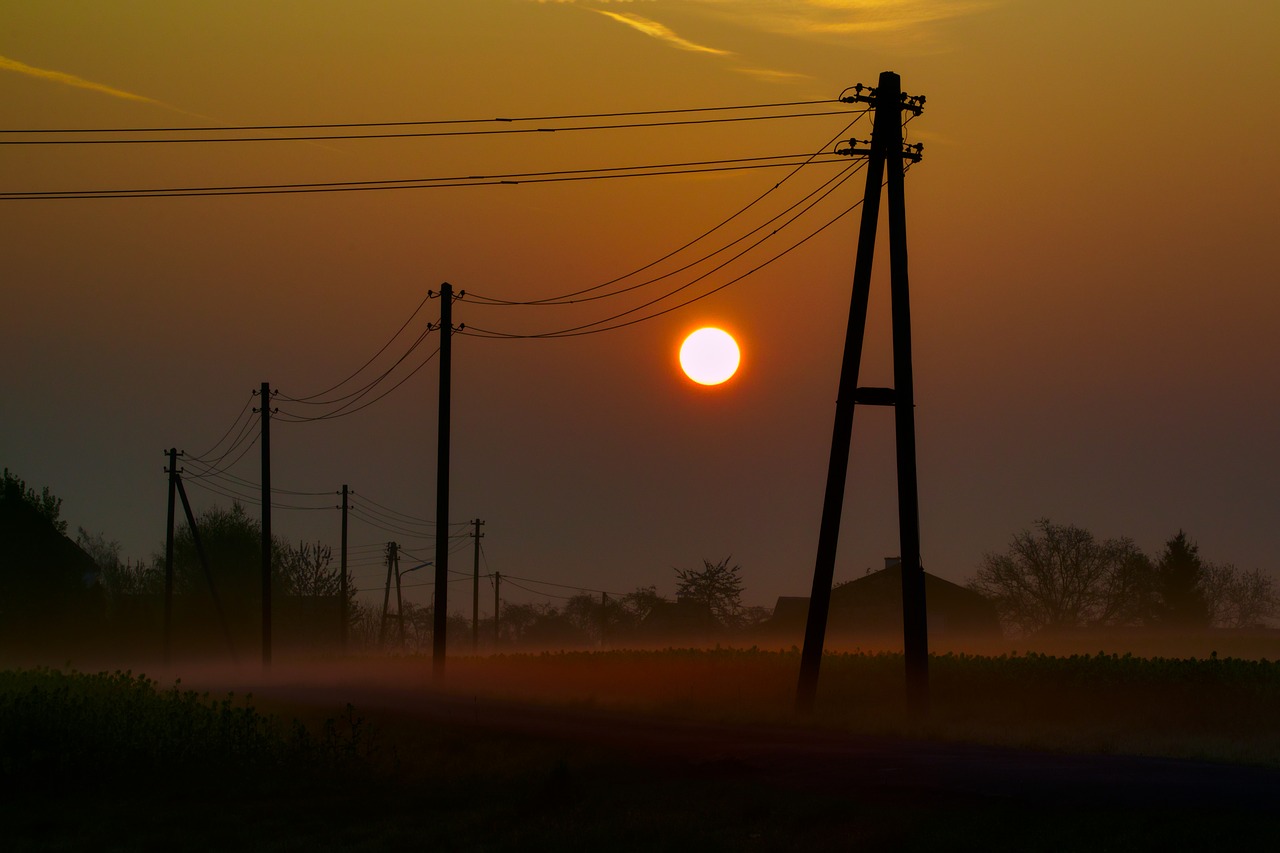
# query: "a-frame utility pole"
886, 151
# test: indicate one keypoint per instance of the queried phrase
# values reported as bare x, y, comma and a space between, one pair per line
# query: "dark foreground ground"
459, 772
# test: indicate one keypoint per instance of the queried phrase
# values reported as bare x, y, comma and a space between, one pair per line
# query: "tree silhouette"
1060, 576
1180, 579
718, 585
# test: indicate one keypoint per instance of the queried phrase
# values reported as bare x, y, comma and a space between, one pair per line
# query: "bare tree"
1238, 599
718, 585
1060, 576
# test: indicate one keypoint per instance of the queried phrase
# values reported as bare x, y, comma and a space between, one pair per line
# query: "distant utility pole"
168, 556
886, 150
265, 394
208, 572
441, 607
342, 607
392, 556
475, 589
497, 585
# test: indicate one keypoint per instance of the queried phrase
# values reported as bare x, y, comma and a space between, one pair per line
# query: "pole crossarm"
911, 103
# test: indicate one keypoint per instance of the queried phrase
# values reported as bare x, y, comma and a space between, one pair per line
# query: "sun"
710, 356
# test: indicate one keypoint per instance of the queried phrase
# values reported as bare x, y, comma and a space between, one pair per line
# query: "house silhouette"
868, 611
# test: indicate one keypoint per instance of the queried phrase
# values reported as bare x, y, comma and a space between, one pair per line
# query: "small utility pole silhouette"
475, 589
208, 572
342, 607
265, 395
497, 586
172, 470
393, 558
886, 149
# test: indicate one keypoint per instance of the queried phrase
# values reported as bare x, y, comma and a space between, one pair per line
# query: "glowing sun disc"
709, 356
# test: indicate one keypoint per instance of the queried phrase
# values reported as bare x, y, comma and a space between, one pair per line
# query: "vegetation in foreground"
117, 762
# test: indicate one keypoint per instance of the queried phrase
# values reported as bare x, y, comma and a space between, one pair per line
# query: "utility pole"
265, 393
386, 596
886, 151
395, 561
168, 556
342, 607
475, 589
604, 616
497, 585
441, 608
208, 572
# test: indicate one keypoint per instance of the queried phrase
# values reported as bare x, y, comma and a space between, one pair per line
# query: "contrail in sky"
7, 64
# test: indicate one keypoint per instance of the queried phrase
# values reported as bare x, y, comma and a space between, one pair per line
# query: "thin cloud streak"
800, 18
847, 17
661, 32
7, 64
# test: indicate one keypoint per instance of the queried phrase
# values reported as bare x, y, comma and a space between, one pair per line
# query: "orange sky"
1092, 245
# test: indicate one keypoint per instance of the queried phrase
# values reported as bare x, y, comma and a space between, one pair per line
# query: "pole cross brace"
875, 397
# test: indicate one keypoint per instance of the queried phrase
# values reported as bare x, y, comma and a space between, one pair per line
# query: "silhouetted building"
48, 584
869, 609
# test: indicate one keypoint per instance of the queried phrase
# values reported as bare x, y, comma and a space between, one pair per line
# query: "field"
660, 750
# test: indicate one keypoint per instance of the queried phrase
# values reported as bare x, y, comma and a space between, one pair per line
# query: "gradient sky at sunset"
1094, 271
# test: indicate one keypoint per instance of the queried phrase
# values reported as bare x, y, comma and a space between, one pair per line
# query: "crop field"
349, 754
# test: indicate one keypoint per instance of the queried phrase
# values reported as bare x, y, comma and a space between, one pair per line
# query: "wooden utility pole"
497, 585
342, 607
265, 393
208, 572
168, 557
441, 609
395, 561
475, 589
386, 595
886, 151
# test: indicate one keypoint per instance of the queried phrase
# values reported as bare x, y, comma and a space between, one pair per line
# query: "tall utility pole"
168, 556
342, 607
441, 609
266, 524
886, 151
475, 588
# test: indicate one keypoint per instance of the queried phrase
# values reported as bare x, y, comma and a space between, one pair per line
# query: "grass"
1215, 709
115, 761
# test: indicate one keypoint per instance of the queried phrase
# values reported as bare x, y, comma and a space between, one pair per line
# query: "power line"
248, 403
389, 183
311, 398
375, 186
582, 116
587, 328
568, 297
838, 179
430, 134
342, 412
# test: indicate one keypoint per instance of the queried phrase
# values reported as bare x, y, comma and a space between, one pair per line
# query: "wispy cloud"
660, 31
843, 17
7, 64
817, 17
902, 24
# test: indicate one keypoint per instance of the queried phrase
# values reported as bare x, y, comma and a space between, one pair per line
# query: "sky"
1093, 270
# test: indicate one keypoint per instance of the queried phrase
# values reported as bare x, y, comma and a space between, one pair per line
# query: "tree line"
1058, 577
